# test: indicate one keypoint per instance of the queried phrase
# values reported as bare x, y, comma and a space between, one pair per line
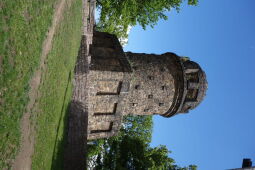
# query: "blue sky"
220, 36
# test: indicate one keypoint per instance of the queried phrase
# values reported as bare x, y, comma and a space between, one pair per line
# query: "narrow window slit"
134, 104
150, 96
150, 77
137, 86
146, 110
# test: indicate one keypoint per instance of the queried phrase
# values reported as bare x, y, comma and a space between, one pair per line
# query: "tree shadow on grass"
58, 152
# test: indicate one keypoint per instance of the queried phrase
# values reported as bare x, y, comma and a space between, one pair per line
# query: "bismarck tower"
121, 83
137, 84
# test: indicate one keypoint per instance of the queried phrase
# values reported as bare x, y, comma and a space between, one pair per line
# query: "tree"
117, 16
133, 153
138, 127
131, 149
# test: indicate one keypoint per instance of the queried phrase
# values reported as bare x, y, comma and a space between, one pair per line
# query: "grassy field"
56, 91
23, 28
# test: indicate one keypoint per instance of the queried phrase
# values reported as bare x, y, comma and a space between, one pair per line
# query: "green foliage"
118, 15
138, 127
95, 149
131, 149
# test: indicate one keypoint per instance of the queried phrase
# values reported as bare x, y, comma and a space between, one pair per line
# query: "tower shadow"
77, 121
76, 144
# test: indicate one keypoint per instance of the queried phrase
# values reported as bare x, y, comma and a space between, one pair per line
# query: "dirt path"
23, 159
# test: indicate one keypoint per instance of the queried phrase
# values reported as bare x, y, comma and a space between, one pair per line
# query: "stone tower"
138, 84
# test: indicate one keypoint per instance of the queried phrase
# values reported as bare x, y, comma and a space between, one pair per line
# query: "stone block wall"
108, 84
106, 93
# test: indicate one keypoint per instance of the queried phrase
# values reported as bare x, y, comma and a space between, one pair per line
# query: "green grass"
23, 26
56, 91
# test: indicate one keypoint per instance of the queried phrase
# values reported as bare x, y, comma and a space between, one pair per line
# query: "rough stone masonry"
121, 83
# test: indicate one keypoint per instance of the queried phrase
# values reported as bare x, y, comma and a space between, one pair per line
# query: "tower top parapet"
195, 86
